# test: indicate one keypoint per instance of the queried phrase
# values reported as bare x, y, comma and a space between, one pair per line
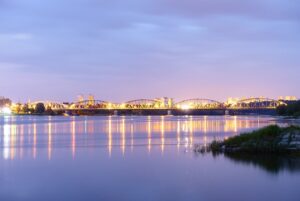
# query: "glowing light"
235, 124
5, 111
34, 140
13, 141
149, 134
185, 107
191, 131
178, 134
109, 136
162, 126
73, 138
123, 137
49, 139
6, 141
132, 137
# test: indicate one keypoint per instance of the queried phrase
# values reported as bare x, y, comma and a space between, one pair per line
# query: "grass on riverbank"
265, 140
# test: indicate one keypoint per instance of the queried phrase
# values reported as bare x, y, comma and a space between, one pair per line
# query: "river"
137, 158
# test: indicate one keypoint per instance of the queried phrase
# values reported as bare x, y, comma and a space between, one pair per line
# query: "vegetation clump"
292, 109
271, 139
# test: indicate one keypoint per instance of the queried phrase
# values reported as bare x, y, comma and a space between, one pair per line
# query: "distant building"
91, 99
165, 102
288, 98
232, 101
80, 98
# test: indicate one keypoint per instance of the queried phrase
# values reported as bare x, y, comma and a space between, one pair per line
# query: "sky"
123, 50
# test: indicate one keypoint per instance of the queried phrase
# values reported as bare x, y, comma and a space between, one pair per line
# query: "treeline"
39, 109
291, 109
4, 101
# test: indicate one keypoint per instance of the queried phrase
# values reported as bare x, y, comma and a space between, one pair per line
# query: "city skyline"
121, 51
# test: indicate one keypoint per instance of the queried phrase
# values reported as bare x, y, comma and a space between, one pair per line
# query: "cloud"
10, 66
153, 42
262, 9
16, 36
22, 36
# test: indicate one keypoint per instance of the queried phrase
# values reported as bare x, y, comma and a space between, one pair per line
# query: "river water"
137, 158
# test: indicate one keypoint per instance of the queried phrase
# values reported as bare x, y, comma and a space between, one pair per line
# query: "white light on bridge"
5, 111
185, 107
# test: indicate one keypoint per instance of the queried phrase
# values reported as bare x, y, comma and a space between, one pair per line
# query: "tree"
292, 109
25, 109
49, 111
39, 108
5, 102
281, 110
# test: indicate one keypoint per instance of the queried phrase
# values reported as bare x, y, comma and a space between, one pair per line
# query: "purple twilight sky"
127, 49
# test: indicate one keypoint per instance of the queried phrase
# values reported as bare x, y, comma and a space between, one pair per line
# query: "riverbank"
289, 110
271, 139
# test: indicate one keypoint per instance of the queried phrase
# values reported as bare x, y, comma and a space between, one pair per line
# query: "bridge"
165, 106
257, 103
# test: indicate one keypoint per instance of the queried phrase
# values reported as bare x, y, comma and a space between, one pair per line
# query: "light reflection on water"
19, 134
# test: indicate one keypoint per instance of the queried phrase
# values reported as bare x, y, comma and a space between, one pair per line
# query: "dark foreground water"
136, 158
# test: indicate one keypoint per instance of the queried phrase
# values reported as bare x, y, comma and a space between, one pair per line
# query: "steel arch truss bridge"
159, 104
142, 104
92, 104
199, 104
257, 103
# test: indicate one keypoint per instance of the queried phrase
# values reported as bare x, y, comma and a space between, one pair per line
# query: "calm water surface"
136, 158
